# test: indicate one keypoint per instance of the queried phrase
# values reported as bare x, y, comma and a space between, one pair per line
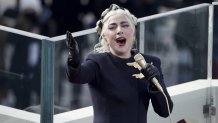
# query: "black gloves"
150, 72
72, 46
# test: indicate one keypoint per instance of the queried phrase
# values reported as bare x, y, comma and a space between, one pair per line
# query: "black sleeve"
83, 73
157, 98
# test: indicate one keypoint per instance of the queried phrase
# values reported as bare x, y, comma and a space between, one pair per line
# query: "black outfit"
117, 96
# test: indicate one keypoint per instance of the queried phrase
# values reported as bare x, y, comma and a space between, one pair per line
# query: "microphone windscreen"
138, 57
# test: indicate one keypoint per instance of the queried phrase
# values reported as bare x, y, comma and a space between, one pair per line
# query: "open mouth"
121, 41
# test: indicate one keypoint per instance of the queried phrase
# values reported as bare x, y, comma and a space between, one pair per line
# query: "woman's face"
120, 35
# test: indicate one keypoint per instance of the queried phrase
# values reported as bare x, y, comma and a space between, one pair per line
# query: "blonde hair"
101, 25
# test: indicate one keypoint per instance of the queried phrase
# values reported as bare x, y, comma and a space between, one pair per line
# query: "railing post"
47, 85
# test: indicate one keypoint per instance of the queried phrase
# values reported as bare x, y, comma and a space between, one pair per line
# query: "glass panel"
180, 41
68, 96
215, 42
20, 73
214, 82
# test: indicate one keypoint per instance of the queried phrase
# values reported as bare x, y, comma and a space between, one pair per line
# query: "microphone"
143, 64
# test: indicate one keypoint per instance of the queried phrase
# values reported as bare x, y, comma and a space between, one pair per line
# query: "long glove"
150, 72
73, 58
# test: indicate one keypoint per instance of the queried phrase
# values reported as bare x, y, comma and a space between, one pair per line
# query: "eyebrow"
122, 22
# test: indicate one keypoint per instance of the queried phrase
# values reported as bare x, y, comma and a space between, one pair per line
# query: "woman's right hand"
73, 49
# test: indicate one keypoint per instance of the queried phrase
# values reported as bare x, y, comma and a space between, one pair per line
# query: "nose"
119, 30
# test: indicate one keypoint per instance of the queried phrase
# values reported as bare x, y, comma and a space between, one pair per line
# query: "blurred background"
53, 18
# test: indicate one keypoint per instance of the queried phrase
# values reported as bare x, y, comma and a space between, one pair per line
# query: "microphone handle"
157, 84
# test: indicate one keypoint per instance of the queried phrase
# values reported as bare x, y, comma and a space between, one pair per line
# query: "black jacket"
117, 96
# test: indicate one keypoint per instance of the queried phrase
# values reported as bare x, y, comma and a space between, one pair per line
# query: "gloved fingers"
151, 71
69, 36
152, 74
70, 39
149, 68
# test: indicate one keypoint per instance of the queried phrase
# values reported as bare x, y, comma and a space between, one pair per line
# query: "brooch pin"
136, 65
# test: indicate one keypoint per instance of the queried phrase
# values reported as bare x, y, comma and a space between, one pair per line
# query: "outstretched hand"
71, 43
73, 49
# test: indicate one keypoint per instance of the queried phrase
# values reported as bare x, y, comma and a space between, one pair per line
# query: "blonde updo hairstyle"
102, 24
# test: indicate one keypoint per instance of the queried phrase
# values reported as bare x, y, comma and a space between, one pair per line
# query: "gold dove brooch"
136, 65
